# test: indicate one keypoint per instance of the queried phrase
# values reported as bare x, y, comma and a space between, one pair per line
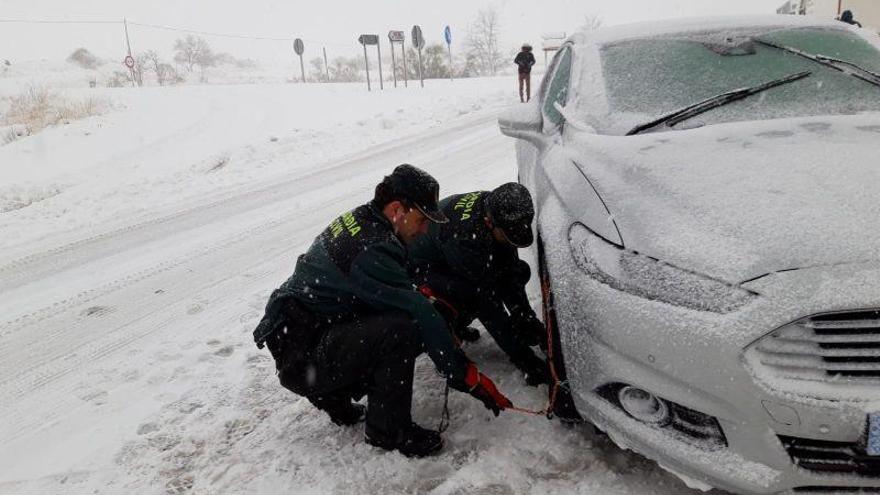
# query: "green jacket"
358, 265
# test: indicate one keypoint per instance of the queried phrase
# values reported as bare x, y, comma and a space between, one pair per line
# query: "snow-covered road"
127, 364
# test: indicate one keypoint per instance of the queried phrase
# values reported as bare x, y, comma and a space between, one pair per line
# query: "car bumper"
696, 359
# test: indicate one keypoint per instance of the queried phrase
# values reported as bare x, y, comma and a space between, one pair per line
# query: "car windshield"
648, 78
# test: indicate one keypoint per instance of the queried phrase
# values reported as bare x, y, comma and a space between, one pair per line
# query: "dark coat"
465, 249
358, 265
524, 60
478, 275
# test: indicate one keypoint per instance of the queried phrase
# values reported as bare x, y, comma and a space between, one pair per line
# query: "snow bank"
166, 145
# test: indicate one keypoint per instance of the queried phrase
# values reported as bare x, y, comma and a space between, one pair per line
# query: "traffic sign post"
418, 42
369, 39
298, 47
405, 74
379, 53
447, 35
396, 37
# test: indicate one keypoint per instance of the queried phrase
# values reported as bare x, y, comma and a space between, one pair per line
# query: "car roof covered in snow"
695, 25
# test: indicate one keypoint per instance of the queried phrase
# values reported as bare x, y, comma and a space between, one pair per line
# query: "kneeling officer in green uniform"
471, 268
350, 321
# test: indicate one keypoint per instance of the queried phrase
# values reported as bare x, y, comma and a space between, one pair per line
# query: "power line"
47, 21
209, 33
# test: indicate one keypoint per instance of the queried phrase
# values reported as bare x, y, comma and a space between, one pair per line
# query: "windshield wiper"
848, 68
704, 106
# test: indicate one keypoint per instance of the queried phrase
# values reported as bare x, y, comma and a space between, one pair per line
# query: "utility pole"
128, 45
326, 66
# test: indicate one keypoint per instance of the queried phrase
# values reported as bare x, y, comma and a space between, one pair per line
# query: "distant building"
867, 12
791, 7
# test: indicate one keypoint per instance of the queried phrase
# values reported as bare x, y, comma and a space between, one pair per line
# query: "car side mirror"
524, 122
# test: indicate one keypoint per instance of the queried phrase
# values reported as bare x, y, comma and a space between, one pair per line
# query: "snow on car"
710, 237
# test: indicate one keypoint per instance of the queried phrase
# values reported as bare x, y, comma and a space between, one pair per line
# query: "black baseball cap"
510, 209
418, 187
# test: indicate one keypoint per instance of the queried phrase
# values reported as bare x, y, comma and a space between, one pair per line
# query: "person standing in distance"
524, 61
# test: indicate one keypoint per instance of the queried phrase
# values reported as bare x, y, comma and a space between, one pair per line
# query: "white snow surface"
138, 250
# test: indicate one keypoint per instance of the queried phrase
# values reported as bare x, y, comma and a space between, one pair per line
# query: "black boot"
348, 416
467, 334
411, 441
535, 369
340, 408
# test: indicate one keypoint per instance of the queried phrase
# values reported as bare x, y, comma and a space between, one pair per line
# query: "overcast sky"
334, 23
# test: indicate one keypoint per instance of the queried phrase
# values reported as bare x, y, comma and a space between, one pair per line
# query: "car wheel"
563, 405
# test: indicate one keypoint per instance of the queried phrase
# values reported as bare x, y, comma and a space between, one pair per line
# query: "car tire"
563, 406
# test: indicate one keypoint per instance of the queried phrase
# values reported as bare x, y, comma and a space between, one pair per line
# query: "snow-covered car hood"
737, 201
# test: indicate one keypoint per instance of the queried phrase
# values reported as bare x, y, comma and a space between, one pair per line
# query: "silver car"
707, 201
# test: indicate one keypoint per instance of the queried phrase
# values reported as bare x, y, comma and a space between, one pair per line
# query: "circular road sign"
418, 40
447, 33
129, 61
298, 46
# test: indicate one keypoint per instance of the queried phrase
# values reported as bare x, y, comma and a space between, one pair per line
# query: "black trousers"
332, 364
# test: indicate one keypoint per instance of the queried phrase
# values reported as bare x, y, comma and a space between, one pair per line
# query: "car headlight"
650, 278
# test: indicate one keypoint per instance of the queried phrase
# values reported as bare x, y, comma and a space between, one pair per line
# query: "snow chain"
554, 390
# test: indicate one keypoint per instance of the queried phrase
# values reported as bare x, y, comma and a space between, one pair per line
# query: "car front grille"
829, 347
831, 457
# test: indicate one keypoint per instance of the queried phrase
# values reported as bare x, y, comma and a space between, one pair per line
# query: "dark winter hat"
510, 209
417, 186
527, 47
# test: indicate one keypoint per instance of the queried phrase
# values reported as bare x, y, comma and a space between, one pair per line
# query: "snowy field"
138, 249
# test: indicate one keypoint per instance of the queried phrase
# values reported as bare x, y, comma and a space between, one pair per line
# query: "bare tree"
317, 72
193, 51
152, 62
165, 73
592, 22
435, 64
482, 41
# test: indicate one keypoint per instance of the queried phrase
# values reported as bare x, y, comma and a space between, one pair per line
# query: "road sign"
396, 36
129, 61
368, 39
447, 34
372, 39
298, 46
418, 40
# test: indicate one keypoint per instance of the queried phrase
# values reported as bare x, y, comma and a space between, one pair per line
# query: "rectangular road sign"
368, 39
